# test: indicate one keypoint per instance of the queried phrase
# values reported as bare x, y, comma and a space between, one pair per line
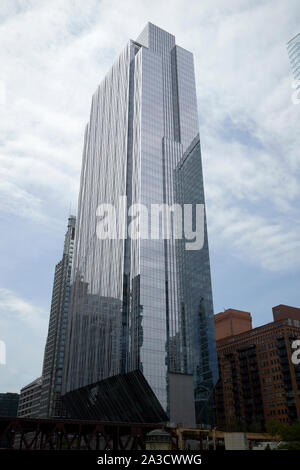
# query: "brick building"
258, 380
232, 322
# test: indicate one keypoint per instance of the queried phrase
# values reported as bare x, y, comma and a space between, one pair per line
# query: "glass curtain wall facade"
51, 403
293, 47
140, 303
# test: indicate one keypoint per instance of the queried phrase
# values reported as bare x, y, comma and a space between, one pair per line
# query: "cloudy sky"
54, 54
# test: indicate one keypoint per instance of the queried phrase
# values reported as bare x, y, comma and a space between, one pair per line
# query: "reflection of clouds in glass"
144, 144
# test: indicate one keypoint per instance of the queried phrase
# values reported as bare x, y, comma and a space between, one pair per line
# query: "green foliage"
273, 427
289, 433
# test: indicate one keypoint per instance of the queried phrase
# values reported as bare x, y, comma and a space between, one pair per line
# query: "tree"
274, 427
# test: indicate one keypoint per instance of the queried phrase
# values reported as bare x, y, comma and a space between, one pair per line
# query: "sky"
54, 54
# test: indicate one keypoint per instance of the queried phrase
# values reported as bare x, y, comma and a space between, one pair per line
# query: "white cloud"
53, 56
12, 305
23, 329
262, 241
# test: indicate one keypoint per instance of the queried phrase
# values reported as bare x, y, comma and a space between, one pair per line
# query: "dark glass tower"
51, 404
142, 303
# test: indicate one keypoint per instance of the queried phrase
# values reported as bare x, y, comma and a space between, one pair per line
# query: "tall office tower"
293, 47
51, 404
137, 303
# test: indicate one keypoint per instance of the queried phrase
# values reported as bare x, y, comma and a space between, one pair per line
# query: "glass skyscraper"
139, 303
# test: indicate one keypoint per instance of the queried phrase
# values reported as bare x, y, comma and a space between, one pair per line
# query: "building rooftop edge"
36, 381
252, 332
231, 310
285, 305
294, 37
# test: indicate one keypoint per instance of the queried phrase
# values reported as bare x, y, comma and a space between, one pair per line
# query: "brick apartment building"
258, 380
